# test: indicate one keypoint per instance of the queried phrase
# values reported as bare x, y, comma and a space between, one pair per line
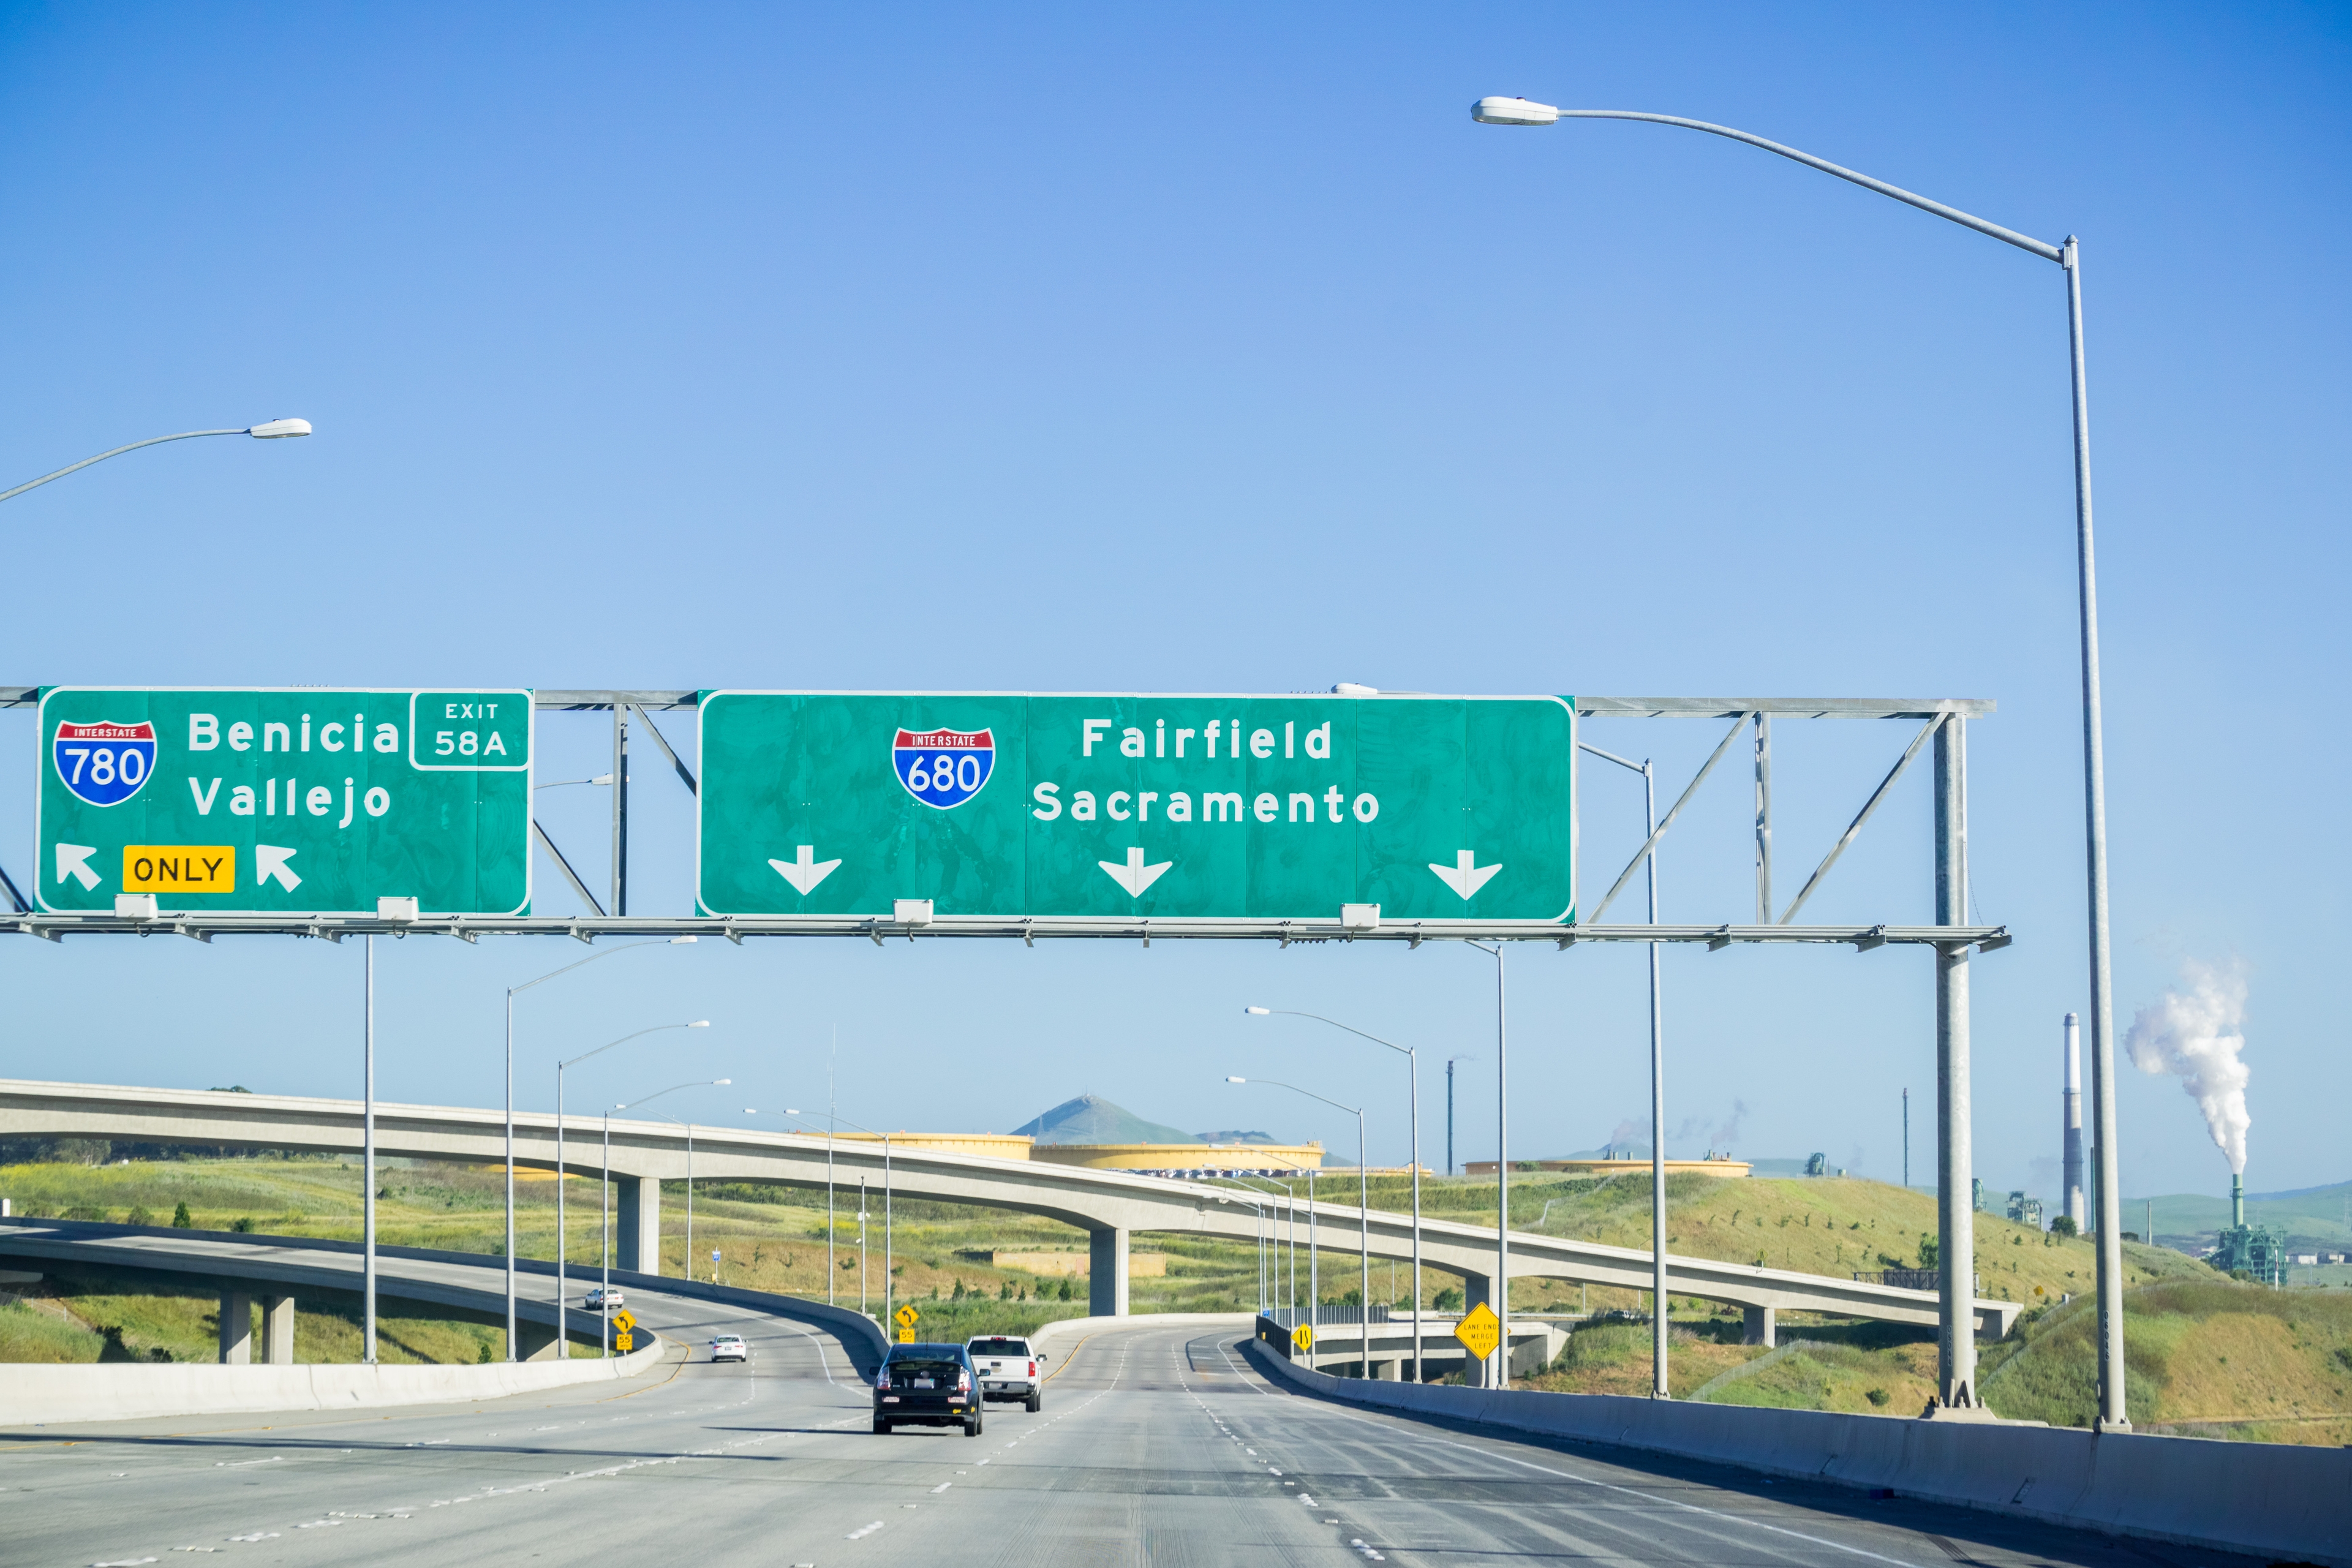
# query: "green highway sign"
1171, 808
275, 800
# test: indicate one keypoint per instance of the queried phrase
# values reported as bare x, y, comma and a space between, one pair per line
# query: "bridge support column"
277, 1330
638, 1199
1106, 1273
1760, 1326
235, 1328
536, 1342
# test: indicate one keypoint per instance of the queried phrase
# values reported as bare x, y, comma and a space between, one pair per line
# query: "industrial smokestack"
2072, 1124
2237, 1201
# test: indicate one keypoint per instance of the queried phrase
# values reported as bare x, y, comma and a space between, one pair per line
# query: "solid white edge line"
1611, 1486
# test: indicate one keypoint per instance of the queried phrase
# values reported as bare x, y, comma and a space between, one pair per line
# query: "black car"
927, 1385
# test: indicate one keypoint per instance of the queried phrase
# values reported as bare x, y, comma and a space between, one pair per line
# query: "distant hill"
1090, 1119
2310, 1214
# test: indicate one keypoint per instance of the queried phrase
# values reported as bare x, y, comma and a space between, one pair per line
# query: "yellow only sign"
1303, 1336
906, 1315
1479, 1330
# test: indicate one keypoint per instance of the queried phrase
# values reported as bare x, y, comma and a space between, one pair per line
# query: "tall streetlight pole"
1290, 1209
268, 430
1363, 1209
830, 1266
1412, 1067
605, 1311
1501, 1302
890, 1280
1658, 1389
511, 992
1958, 1371
563, 1343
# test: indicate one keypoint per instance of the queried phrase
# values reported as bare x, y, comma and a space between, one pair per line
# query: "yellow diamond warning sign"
905, 1316
1479, 1330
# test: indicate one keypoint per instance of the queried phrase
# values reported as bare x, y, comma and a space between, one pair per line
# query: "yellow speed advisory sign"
1479, 1330
624, 1331
179, 867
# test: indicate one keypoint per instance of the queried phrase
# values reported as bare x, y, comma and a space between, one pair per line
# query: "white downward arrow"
269, 860
73, 860
1465, 876
1134, 876
806, 871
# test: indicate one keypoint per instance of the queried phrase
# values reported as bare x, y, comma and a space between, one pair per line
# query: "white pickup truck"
1008, 1368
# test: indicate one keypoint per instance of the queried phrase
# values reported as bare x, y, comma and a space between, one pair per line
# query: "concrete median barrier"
71, 1395
2276, 1499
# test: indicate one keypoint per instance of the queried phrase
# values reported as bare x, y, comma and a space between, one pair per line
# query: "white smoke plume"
2196, 1031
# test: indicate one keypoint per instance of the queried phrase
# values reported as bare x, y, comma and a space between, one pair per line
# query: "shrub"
139, 1215
242, 1224
1877, 1396
2065, 1225
180, 1220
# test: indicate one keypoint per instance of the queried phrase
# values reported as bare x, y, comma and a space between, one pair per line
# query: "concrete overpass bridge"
1111, 1207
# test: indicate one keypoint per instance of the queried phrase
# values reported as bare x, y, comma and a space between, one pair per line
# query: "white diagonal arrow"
1134, 876
1465, 876
269, 860
806, 872
73, 860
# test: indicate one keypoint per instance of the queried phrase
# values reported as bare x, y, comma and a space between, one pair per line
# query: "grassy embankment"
2205, 1355
769, 1239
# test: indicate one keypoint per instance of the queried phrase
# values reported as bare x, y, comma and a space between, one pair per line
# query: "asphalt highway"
1156, 1446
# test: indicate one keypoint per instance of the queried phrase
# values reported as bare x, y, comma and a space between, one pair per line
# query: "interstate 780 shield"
262, 800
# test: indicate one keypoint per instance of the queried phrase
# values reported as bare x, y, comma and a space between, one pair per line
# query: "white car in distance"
601, 1299
730, 1347
1008, 1368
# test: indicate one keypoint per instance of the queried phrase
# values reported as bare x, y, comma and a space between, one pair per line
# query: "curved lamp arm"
270, 431
1521, 111
1290, 1012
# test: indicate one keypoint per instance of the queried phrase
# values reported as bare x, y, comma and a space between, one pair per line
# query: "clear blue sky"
1201, 348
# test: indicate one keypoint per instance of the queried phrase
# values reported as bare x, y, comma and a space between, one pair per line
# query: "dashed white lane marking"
862, 1535
123, 1562
940, 1488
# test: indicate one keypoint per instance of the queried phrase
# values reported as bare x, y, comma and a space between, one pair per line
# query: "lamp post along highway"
367, 1166
268, 430
1363, 1212
562, 1344
605, 1310
1412, 1068
512, 1354
1502, 1291
1957, 1373
1658, 1388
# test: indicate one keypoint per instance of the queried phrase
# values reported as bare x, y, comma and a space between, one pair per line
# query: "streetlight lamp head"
700, 1023
275, 429
720, 1082
1231, 1080
1258, 1011
1513, 111
789, 1112
675, 941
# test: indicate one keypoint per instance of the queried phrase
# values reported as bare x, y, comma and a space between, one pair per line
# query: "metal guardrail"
1335, 1312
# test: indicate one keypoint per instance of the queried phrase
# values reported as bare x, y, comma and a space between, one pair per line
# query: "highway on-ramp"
1158, 1446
